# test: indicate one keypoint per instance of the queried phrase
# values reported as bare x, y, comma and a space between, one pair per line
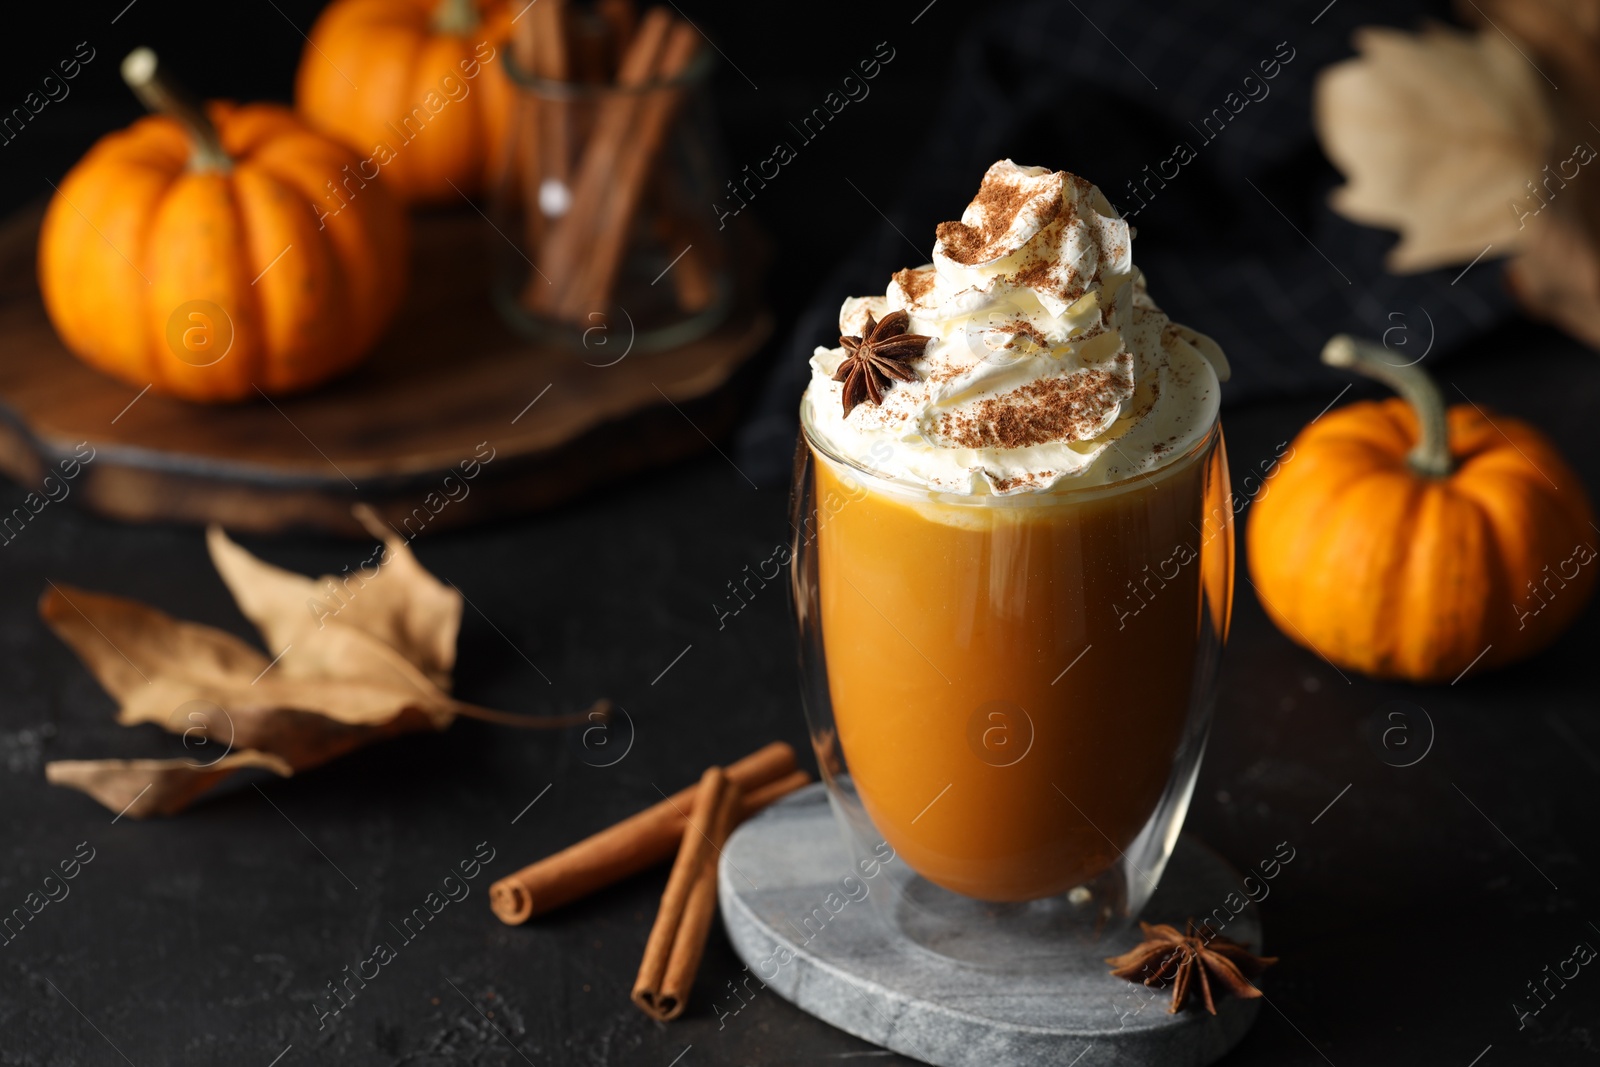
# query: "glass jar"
1010, 695
606, 210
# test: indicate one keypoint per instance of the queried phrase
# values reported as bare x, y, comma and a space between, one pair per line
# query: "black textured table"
1419, 902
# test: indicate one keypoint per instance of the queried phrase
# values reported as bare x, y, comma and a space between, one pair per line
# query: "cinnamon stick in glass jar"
609, 230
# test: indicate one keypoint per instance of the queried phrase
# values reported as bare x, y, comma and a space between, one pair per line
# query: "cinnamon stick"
678, 938
623, 17
632, 845
612, 225
692, 854
554, 60
609, 140
694, 279
756, 799
592, 46
526, 150
544, 140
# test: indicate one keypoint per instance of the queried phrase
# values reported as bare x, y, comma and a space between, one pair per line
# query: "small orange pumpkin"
1405, 541
189, 253
414, 86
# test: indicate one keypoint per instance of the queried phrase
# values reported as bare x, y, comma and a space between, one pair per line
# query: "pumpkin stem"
1431, 456
455, 16
160, 94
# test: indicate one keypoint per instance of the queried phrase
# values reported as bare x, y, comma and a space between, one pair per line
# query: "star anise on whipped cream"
1166, 955
883, 351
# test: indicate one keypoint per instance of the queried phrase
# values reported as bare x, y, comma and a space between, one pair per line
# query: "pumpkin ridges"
253, 130
1401, 430
1368, 422
1306, 485
1443, 577
1471, 434
1503, 503
371, 257
379, 56
1522, 446
1352, 556
386, 106
125, 220
1276, 553
119, 184
1551, 478
448, 140
250, 129
251, 262
1533, 524
86, 267
153, 141
1520, 451
1500, 582
307, 336
334, 75
307, 163
64, 243
194, 244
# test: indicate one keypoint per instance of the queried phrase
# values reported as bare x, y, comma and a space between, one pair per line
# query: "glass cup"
605, 213
1011, 695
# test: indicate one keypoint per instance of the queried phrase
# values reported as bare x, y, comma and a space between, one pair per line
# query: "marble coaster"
818, 942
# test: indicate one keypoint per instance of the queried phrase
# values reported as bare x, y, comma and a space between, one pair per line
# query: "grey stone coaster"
854, 968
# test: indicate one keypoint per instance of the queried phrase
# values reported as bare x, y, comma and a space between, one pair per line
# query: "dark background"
1418, 906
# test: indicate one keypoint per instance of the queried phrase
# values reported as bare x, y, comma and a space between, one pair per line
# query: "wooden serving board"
450, 384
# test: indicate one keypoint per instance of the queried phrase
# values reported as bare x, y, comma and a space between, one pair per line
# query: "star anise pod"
882, 352
1166, 955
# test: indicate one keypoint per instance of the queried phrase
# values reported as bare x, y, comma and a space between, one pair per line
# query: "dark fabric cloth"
1238, 243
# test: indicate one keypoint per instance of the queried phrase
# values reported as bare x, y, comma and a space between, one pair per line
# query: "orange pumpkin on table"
415, 87
191, 252
1406, 541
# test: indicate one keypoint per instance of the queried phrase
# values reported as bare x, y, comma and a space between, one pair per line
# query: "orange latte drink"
1025, 540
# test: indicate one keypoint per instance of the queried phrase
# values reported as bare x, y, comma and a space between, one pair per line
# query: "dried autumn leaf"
140, 788
152, 664
196, 680
367, 668
1562, 33
394, 600
1436, 133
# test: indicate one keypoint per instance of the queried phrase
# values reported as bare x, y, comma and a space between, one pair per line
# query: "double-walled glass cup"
1011, 693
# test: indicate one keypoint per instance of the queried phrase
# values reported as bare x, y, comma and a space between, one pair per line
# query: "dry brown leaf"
1564, 32
1436, 133
389, 596
1556, 275
371, 664
154, 664
140, 788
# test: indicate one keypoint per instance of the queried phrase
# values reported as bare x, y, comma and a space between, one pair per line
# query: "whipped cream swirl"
1049, 363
